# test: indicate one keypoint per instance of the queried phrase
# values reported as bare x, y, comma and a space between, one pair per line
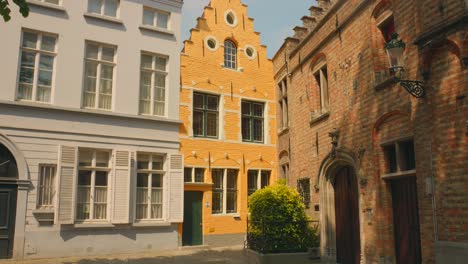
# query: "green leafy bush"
278, 222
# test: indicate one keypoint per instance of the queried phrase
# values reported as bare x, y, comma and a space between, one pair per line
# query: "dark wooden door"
7, 219
348, 249
192, 227
406, 220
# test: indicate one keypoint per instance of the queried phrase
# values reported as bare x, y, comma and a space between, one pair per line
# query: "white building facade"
89, 121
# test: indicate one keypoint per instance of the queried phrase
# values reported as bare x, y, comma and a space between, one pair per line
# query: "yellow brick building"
228, 136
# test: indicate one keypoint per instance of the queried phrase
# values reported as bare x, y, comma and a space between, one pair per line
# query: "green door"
192, 227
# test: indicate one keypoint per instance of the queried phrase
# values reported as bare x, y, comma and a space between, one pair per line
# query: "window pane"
48, 43
43, 93
217, 175
390, 158
84, 178
157, 181
187, 174
29, 40
148, 17
101, 178
160, 95
246, 125
407, 156
102, 159
160, 80
146, 61
143, 161
91, 71
212, 103
44, 78
89, 98
107, 72
92, 51
232, 179
231, 203
199, 174
142, 180
246, 108
28, 59
258, 110
161, 63
163, 18
107, 54
46, 62
265, 181
212, 124
26, 75
158, 162
198, 123
85, 157
53, 1
198, 101
217, 202
46, 186
25, 92
110, 7
252, 181
94, 6
258, 130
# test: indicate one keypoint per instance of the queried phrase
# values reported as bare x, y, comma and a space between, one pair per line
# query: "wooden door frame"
323, 184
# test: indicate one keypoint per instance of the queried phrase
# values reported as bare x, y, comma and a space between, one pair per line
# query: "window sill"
151, 224
157, 30
104, 18
236, 215
46, 5
44, 214
93, 225
396, 175
199, 184
239, 69
317, 117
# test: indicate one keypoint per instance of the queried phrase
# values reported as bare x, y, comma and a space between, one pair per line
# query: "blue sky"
275, 19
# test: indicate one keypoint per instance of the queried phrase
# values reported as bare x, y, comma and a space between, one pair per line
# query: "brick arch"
319, 57
380, 7
445, 45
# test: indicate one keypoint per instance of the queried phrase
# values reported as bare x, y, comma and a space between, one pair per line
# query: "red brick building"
386, 173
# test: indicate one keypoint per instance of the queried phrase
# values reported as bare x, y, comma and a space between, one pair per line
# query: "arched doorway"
8, 197
346, 216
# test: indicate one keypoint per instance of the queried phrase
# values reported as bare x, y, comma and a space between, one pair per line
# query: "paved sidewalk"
197, 255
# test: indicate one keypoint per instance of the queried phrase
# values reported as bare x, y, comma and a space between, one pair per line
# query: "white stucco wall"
37, 130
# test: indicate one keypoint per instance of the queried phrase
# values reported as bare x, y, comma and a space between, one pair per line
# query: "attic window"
230, 18
250, 52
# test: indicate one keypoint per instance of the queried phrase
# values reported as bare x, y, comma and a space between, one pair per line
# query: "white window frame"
192, 173
153, 72
231, 63
37, 53
101, 13
47, 2
93, 168
258, 184
150, 172
322, 80
46, 170
156, 13
225, 181
99, 62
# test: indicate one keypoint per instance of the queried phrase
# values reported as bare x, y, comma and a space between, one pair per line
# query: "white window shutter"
66, 190
176, 189
122, 179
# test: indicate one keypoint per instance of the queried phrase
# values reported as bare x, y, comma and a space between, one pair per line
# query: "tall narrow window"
285, 169
150, 178
283, 102
252, 121
156, 18
303, 187
46, 188
153, 84
230, 55
257, 179
322, 82
99, 76
205, 115
93, 182
104, 7
224, 191
38, 51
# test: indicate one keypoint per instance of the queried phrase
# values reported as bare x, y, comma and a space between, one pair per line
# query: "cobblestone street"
229, 255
